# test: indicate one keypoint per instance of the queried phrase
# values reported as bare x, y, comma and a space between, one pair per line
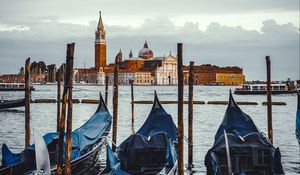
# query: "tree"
42, 66
21, 71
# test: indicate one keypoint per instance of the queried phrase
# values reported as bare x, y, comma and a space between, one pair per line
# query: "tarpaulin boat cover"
88, 134
298, 120
152, 145
235, 121
243, 136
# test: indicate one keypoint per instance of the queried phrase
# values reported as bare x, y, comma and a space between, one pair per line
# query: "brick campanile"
100, 45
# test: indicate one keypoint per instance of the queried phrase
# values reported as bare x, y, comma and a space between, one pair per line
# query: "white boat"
261, 89
13, 87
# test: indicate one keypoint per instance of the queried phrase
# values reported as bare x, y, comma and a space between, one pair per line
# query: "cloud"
11, 28
270, 27
217, 44
18, 10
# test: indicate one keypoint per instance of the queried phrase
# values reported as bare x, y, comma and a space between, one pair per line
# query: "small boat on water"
87, 142
151, 150
251, 152
14, 87
298, 120
5, 104
261, 89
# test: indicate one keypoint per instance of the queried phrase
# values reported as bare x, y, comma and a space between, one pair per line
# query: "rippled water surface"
206, 117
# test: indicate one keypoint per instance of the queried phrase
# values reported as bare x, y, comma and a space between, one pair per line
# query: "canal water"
206, 117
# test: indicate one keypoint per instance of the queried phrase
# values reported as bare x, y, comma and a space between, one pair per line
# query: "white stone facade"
166, 74
140, 78
89, 76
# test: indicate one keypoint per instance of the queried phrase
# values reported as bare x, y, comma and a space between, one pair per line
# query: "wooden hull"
12, 104
79, 165
240, 92
170, 171
84, 163
164, 171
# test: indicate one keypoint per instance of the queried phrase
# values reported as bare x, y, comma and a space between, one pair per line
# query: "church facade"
143, 69
163, 70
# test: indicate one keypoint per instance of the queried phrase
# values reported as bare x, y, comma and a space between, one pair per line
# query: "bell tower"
100, 45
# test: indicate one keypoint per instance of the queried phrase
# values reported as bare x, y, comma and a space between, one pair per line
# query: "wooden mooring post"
70, 62
269, 99
115, 100
27, 102
58, 79
106, 89
191, 115
132, 106
180, 126
63, 113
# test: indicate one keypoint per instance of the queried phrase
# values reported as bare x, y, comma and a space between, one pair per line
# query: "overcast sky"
225, 33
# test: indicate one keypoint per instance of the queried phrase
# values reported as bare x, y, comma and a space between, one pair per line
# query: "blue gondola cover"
112, 161
152, 144
243, 137
235, 121
89, 133
171, 155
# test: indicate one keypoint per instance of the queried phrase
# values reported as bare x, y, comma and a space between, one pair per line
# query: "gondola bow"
250, 151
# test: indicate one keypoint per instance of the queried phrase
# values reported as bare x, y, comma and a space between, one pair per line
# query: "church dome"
145, 52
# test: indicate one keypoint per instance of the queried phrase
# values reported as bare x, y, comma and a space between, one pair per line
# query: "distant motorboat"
14, 87
261, 89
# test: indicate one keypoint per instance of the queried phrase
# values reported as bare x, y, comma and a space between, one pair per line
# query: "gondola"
5, 104
298, 120
151, 150
251, 152
87, 142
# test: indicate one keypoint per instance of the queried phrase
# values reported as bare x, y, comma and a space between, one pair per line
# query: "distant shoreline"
126, 85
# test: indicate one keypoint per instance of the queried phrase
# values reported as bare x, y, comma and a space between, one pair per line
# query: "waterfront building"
214, 75
20, 78
163, 69
37, 78
230, 76
132, 63
12, 78
92, 76
138, 77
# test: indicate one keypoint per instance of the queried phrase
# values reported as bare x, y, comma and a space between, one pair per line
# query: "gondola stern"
102, 106
156, 102
231, 101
